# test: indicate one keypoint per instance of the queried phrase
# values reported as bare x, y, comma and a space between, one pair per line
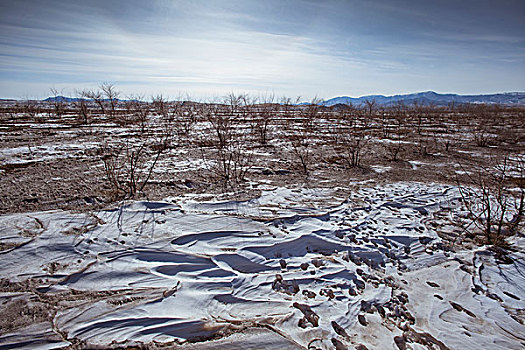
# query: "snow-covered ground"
41, 153
293, 268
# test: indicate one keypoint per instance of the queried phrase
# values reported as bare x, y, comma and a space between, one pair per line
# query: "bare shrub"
426, 143
495, 198
481, 136
58, 102
129, 161
225, 148
262, 117
484, 118
82, 105
302, 150
302, 135
420, 115
166, 113
128, 165
349, 139
160, 106
106, 98
393, 150
446, 131
395, 145
187, 117
138, 111
30, 109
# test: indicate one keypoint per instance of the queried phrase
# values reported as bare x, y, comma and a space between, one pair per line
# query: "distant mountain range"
62, 99
421, 98
431, 97
65, 99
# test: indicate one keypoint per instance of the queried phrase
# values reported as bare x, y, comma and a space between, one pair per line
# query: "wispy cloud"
295, 47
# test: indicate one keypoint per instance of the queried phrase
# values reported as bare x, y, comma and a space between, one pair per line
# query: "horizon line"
284, 96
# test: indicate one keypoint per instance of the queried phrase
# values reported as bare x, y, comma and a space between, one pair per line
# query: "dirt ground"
37, 177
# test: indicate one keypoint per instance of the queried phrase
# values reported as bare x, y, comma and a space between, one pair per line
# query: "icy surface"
290, 269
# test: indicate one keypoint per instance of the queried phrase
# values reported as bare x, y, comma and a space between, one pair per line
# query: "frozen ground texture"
294, 268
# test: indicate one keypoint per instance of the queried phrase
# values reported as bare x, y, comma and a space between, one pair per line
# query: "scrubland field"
167, 225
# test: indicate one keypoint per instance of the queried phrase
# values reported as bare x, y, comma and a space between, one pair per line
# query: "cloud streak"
289, 47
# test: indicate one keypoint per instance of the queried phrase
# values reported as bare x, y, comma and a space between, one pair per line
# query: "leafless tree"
98, 99
111, 94
82, 105
371, 106
234, 102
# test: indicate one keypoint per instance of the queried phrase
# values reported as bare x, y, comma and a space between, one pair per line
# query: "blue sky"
206, 49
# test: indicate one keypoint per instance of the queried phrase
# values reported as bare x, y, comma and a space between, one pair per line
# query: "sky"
208, 49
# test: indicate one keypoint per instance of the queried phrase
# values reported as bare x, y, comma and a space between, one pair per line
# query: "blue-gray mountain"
62, 99
66, 99
431, 98
421, 98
